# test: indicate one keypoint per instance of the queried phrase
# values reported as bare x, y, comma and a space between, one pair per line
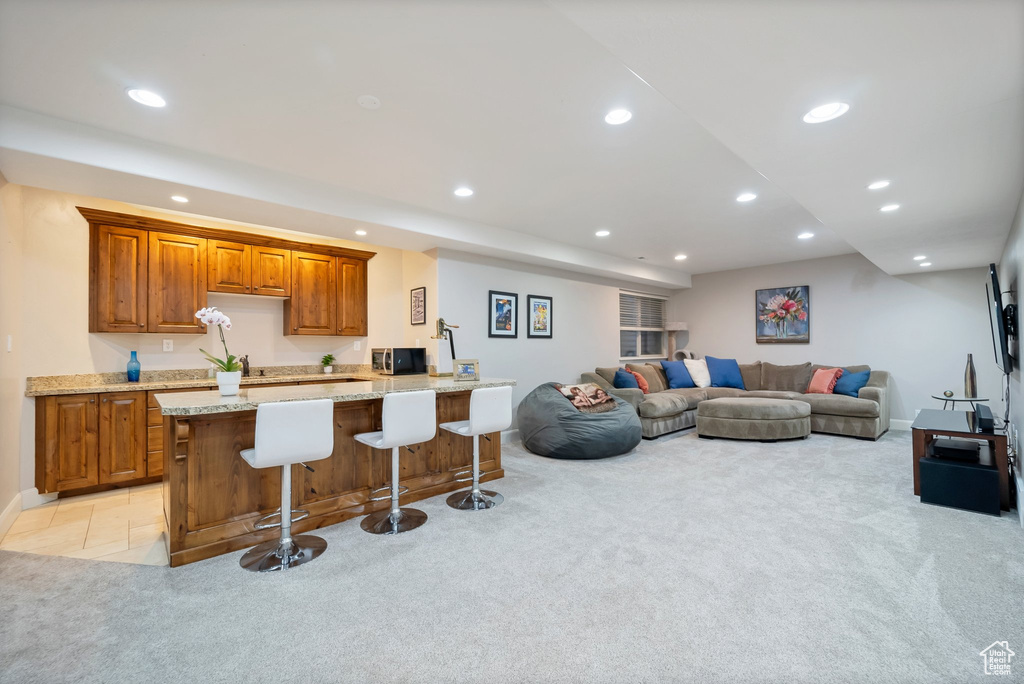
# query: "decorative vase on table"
970, 379
134, 368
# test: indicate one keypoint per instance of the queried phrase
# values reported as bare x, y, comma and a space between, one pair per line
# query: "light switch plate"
357, 345
168, 345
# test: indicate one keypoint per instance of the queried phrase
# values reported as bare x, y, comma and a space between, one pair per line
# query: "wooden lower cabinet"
122, 437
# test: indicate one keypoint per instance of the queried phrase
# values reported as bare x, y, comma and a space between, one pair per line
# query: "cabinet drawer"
155, 438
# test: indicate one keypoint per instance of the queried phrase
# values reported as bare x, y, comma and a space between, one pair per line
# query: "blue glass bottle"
134, 367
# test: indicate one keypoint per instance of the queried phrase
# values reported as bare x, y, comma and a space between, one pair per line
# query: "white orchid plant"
210, 316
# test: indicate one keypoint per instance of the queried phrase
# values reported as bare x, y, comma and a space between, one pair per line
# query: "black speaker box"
967, 486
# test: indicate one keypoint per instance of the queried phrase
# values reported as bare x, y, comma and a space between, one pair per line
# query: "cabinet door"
117, 279
312, 307
177, 283
351, 296
271, 271
230, 267
122, 441
66, 434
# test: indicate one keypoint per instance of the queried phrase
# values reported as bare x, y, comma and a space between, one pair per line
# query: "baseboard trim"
10, 514
510, 436
30, 498
900, 424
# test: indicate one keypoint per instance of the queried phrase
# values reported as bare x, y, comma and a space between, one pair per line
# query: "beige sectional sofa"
666, 410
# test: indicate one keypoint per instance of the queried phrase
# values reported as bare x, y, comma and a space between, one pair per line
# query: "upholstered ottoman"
751, 418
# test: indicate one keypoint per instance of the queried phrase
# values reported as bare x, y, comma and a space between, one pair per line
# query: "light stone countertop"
202, 403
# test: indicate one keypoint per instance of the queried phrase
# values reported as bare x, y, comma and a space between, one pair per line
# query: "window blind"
638, 311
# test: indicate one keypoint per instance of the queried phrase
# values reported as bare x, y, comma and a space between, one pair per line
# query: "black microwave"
399, 360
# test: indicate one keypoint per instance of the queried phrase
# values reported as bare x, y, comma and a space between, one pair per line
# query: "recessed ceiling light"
180, 198
826, 112
878, 185
925, 263
680, 257
805, 236
618, 116
360, 232
463, 192
368, 101
890, 207
920, 257
746, 197
603, 233
146, 97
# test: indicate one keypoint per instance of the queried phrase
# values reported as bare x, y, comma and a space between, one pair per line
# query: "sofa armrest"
631, 395
877, 390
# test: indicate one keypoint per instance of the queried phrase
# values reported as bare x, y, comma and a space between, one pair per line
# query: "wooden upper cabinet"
230, 267
352, 296
122, 436
271, 271
67, 429
312, 308
117, 279
177, 283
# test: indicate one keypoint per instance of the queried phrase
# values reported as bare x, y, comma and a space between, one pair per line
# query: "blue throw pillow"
851, 383
624, 379
677, 375
724, 373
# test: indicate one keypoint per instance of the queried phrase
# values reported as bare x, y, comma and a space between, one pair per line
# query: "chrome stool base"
267, 557
475, 501
381, 522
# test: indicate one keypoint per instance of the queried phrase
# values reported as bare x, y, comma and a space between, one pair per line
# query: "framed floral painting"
783, 315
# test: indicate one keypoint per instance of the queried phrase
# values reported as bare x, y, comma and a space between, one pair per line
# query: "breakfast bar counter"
212, 497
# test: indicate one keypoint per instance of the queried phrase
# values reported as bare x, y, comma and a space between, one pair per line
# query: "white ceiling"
262, 123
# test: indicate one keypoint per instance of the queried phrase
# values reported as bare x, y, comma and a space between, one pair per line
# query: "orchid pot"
228, 382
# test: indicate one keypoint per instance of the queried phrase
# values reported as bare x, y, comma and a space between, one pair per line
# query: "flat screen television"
1000, 337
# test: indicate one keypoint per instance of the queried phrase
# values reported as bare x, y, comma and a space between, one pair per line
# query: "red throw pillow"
824, 380
644, 387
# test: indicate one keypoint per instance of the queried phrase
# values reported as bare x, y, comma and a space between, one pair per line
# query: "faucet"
245, 365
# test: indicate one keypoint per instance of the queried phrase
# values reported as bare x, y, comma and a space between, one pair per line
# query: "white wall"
1011, 277
49, 316
920, 328
12, 381
585, 320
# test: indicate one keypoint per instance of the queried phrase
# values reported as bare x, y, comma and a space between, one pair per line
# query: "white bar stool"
408, 418
490, 410
288, 432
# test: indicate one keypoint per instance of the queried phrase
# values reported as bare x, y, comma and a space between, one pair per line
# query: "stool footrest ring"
402, 489
464, 476
262, 523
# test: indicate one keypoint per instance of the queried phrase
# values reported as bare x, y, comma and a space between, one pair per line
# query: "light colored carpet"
684, 561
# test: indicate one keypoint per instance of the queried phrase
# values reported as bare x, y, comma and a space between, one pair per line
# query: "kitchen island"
212, 497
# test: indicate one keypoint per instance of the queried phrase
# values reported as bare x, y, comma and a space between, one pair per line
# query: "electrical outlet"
168, 345
10, 344
417, 341
357, 345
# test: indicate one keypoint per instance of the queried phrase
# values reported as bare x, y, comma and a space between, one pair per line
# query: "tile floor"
122, 525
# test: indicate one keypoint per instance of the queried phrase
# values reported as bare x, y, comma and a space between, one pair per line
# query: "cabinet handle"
92, 401
294, 328
142, 325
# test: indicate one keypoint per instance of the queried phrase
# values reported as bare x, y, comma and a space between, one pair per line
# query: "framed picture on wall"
418, 306
782, 315
538, 311
502, 314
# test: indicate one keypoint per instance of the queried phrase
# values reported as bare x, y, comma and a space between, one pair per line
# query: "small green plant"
327, 360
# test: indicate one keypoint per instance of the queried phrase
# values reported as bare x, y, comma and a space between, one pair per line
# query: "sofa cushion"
624, 379
851, 383
772, 394
751, 373
693, 395
719, 392
677, 375
841, 405
607, 373
698, 369
748, 408
785, 378
664, 404
640, 382
824, 381
846, 369
653, 375
724, 372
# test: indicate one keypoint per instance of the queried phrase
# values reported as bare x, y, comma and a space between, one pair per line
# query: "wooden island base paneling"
212, 497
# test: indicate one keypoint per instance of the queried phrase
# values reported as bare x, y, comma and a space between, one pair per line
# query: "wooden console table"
932, 423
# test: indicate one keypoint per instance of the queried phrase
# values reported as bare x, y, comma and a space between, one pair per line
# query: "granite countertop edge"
197, 383
337, 392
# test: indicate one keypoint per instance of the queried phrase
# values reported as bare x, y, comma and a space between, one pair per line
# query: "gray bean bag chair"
550, 425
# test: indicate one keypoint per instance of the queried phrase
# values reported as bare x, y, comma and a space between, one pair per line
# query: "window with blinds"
641, 326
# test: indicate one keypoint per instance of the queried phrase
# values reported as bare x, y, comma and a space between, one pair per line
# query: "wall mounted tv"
1003, 321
